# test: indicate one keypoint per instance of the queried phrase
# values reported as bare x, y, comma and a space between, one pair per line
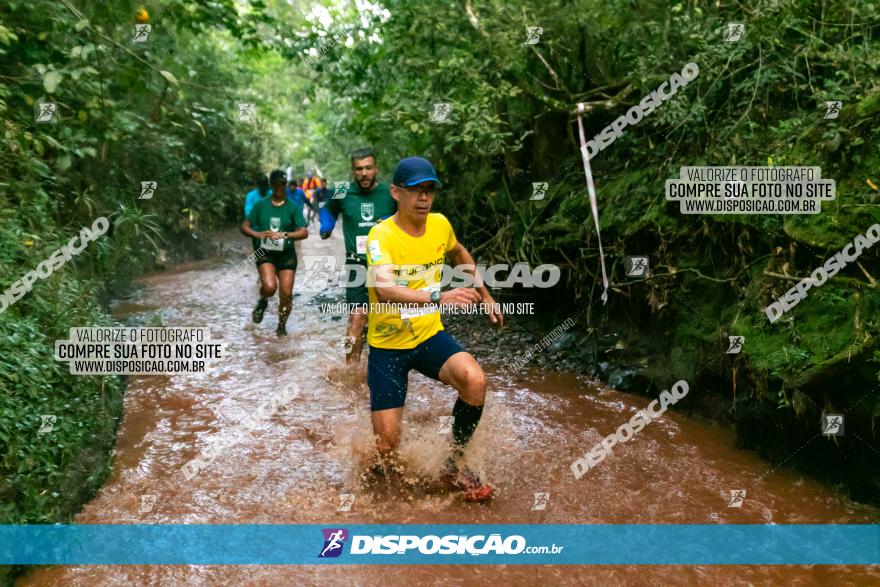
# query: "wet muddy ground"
290, 465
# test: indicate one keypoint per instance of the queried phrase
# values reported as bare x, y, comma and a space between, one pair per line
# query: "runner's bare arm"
298, 234
460, 256
248, 231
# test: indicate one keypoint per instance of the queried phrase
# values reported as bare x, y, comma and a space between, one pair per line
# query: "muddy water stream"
292, 466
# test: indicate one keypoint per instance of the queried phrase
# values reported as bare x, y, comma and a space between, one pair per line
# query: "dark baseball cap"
411, 171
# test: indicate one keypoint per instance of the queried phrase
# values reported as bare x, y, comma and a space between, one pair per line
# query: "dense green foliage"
162, 110
755, 102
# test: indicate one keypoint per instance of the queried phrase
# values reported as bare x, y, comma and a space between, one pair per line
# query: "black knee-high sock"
466, 417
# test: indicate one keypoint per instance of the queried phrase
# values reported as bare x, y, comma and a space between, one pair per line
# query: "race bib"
361, 243
273, 245
375, 251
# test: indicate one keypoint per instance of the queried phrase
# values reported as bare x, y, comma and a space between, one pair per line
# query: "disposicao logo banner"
662, 544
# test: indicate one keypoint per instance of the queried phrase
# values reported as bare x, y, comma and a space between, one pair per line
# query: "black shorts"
282, 260
388, 369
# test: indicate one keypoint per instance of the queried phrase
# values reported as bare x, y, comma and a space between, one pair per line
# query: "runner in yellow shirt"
405, 254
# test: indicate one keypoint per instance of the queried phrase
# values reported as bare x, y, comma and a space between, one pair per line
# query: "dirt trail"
292, 465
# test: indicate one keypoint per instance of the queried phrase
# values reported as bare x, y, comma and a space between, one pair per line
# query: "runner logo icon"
736, 344
334, 541
141, 33
735, 31
832, 425
47, 423
534, 34
148, 188
44, 111
737, 497
340, 189
539, 190
636, 266
832, 108
541, 501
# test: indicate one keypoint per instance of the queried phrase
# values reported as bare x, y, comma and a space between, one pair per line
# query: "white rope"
591, 190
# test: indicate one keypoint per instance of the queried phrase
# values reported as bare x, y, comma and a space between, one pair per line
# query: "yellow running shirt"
417, 261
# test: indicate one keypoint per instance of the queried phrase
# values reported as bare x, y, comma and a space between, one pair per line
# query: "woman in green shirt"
274, 223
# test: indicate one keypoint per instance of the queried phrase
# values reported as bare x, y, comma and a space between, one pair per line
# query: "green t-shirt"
360, 212
287, 218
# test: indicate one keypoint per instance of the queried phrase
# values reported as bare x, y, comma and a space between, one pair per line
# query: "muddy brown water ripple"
291, 467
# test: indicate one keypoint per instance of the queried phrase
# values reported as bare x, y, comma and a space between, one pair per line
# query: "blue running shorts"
388, 369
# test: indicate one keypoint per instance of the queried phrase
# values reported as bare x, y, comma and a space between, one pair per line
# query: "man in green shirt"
362, 205
274, 223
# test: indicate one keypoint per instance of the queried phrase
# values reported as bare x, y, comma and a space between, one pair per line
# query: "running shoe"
257, 314
469, 484
281, 330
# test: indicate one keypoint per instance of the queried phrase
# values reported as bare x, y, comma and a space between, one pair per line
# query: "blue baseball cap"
411, 171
